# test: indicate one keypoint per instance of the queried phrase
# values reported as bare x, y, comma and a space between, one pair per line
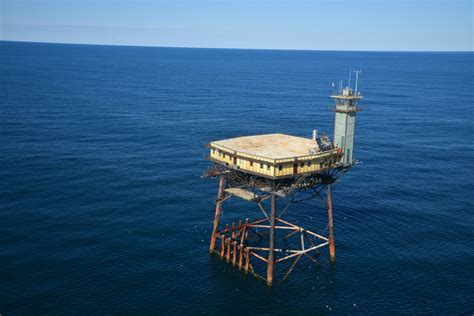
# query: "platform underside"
282, 187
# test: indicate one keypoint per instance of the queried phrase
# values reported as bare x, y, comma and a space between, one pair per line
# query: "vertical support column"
241, 255
220, 195
272, 242
228, 245
234, 254
222, 246
247, 259
242, 239
332, 248
246, 232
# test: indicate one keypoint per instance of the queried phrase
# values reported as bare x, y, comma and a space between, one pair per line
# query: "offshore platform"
268, 167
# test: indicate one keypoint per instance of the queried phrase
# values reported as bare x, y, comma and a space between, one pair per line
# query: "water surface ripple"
103, 209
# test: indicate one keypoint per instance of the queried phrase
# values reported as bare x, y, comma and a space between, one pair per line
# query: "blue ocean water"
103, 209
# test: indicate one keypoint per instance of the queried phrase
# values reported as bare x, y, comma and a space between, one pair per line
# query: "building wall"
344, 125
257, 166
272, 168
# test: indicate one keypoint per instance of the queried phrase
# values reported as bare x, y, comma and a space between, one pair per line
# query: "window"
261, 165
251, 163
302, 164
309, 163
280, 167
268, 167
224, 156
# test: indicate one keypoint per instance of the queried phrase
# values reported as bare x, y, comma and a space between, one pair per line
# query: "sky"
374, 25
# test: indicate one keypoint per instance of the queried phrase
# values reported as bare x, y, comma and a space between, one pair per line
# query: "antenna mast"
350, 71
357, 79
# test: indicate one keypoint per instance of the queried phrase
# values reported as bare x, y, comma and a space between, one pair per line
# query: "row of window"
221, 154
280, 167
261, 165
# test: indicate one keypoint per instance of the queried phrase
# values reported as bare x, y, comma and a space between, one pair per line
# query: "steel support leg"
332, 247
271, 247
220, 195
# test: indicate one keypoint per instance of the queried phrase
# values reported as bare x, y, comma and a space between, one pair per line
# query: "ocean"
103, 209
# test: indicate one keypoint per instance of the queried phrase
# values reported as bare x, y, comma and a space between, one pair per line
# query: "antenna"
357, 79
333, 88
350, 71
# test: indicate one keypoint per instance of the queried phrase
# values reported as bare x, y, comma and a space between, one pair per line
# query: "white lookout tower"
344, 122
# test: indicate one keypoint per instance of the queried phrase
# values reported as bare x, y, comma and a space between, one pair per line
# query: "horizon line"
243, 48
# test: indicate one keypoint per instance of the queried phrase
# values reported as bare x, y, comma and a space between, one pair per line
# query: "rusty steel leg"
234, 253
241, 249
227, 256
220, 195
271, 260
222, 246
332, 248
243, 238
246, 230
247, 259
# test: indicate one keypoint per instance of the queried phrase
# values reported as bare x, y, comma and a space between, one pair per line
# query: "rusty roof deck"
270, 146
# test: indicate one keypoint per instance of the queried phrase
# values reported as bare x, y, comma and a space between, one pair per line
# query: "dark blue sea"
103, 209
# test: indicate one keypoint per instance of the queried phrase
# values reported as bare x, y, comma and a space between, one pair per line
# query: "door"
295, 168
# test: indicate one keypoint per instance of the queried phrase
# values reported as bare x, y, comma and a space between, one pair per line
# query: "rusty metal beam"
256, 255
271, 262
302, 252
269, 226
234, 253
263, 211
332, 247
247, 259
217, 214
222, 246
292, 266
227, 256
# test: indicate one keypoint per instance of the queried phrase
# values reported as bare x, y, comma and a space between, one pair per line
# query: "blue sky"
320, 25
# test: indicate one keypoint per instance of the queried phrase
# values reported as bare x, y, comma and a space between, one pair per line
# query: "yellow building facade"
273, 155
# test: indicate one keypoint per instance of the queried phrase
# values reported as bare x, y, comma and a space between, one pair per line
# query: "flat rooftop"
272, 146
